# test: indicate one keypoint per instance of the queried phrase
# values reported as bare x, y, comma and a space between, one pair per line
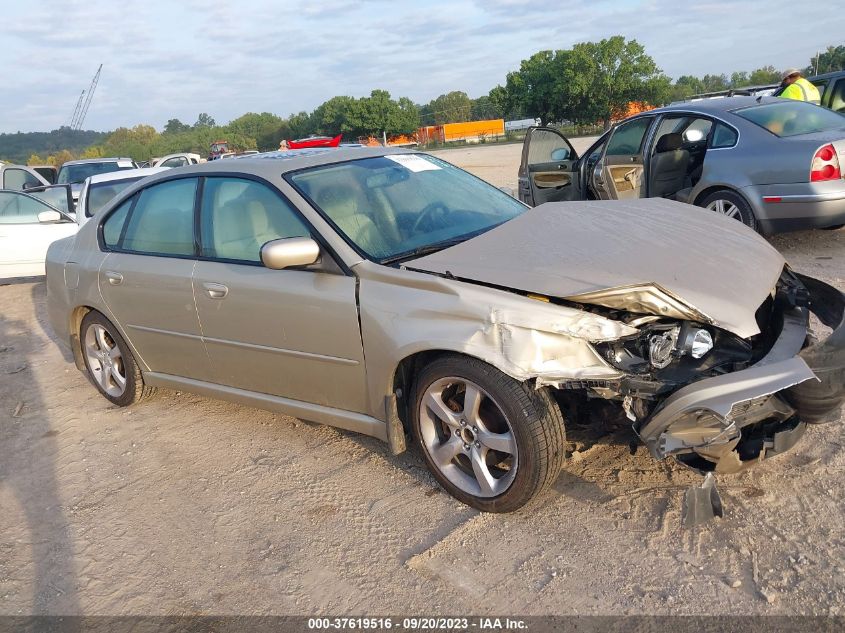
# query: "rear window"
71, 174
791, 118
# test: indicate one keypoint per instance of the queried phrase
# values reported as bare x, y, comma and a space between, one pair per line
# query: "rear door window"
723, 136
162, 222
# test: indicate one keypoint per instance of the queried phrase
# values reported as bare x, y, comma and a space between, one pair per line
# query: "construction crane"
82, 107
77, 108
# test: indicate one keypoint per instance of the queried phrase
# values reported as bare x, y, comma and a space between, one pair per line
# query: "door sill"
348, 420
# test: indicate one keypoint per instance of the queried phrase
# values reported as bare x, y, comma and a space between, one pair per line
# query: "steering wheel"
431, 212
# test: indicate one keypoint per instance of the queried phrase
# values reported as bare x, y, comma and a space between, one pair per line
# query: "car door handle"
115, 279
216, 291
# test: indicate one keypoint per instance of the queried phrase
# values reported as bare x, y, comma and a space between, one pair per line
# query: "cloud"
163, 59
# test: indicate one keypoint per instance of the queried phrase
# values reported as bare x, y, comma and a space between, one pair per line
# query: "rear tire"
109, 361
492, 442
731, 205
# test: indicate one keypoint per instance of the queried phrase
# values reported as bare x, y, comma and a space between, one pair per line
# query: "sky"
164, 59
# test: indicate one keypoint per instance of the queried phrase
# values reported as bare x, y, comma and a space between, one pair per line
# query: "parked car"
831, 89
97, 190
774, 164
74, 172
177, 160
29, 223
20, 177
379, 290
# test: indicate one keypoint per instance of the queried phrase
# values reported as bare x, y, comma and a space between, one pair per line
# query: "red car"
315, 141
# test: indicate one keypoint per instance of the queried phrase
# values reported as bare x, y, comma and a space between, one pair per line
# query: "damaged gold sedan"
392, 294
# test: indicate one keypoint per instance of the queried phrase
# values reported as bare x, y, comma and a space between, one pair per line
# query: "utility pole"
816, 67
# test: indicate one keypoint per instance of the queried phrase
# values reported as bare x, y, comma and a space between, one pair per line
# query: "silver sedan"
774, 164
385, 291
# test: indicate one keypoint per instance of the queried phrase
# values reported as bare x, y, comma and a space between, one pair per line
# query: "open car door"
619, 174
548, 171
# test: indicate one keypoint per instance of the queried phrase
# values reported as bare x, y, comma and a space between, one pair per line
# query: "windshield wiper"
424, 250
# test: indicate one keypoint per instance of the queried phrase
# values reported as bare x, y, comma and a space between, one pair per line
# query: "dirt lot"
185, 505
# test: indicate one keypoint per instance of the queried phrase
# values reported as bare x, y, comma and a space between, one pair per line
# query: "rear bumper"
726, 423
782, 208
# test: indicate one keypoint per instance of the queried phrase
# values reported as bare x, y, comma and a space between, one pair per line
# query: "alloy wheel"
725, 207
468, 437
105, 360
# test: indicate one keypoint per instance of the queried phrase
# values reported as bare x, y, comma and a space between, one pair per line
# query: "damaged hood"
650, 256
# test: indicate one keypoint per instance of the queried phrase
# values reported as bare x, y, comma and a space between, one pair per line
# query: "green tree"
205, 120
452, 107
174, 126
714, 83
602, 78
499, 101
685, 87
832, 59
535, 89
484, 108
739, 79
261, 127
764, 76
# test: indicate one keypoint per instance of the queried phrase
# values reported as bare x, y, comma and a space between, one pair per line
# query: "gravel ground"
187, 505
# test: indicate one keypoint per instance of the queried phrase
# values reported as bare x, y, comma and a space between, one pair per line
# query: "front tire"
492, 442
732, 205
110, 364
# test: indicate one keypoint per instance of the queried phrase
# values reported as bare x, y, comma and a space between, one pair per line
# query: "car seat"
668, 166
340, 203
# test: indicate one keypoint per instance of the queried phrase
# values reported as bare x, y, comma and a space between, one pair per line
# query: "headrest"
669, 142
338, 201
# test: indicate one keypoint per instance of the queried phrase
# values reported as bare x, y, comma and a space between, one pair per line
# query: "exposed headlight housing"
696, 342
661, 348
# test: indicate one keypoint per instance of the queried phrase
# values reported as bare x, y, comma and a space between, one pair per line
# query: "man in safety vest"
794, 86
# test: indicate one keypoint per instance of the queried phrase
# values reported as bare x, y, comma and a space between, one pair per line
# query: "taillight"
825, 165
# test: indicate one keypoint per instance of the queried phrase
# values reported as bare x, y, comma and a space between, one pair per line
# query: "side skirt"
348, 420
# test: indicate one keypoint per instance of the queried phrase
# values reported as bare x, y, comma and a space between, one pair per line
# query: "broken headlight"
660, 345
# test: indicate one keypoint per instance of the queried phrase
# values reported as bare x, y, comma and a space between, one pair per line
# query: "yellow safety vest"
802, 90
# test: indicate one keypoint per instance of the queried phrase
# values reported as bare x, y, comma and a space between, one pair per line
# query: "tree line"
593, 82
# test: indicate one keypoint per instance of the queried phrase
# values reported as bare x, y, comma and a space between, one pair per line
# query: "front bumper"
728, 422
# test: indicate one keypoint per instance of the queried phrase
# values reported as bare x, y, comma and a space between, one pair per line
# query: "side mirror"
561, 153
49, 217
290, 252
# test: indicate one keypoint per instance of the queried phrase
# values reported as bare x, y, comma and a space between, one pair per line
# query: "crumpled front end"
725, 423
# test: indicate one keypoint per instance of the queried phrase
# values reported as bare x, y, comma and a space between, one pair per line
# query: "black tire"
743, 210
531, 414
835, 227
134, 389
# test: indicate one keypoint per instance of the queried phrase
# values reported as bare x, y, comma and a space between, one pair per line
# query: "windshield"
77, 173
101, 192
401, 204
791, 118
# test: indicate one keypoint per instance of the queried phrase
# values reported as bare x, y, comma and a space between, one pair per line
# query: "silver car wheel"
105, 360
468, 437
725, 207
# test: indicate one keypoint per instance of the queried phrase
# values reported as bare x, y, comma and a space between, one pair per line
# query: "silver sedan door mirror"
290, 252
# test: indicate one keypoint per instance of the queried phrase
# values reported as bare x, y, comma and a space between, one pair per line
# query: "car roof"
830, 75
717, 105
83, 161
126, 173
273, 164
